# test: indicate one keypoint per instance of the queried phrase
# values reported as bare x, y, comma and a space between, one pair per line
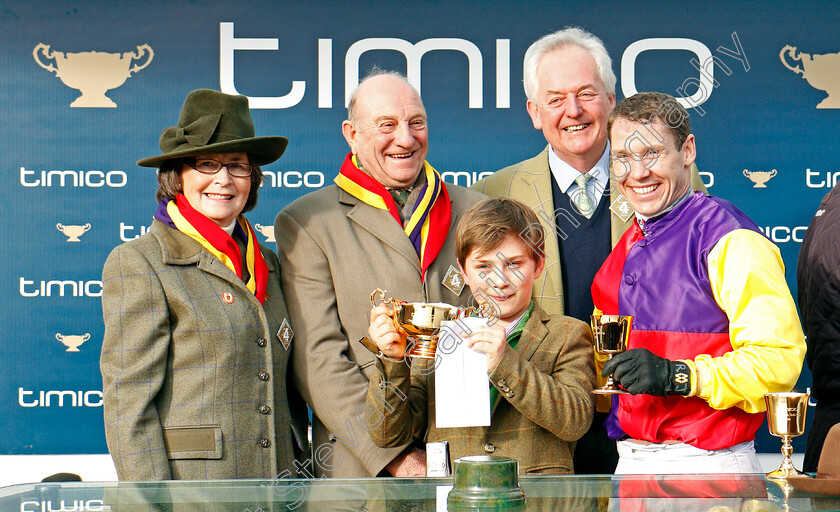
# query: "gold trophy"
611, 333
420, 321
786, 419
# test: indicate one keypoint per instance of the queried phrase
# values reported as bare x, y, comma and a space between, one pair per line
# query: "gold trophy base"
787, 468
606, 391
424, 348
782, 474
609, 388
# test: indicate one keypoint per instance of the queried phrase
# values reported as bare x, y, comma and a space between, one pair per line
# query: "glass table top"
685, 493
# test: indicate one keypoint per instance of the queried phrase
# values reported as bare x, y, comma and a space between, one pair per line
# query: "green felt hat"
214, 122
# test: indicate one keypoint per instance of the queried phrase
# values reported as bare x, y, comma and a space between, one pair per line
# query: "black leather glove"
641, 372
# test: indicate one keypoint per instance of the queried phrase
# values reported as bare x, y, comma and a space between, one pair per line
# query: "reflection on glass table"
684, 493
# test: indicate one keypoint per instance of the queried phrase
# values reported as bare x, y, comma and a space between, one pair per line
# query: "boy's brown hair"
487, 223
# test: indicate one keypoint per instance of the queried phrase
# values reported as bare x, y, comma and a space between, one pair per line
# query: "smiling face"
504, 275
389, 135
220, 197
571, 107
657, 173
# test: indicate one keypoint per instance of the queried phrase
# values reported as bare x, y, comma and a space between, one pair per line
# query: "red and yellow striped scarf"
428, 226
180, 215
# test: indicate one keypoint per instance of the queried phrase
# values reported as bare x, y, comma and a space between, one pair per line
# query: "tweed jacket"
544, 404
193, 369
529, 181
334, 251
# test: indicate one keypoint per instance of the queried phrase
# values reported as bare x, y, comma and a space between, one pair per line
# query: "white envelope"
462, 388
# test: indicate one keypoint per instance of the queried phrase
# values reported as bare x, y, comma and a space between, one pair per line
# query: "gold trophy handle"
772, 173
378, 293
59, 337
791, 50
467, 312
143, 48
747, 173
86, 227
45, 49
395, 305
488, 311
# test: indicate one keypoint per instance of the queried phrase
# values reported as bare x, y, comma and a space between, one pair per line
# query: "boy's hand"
385, 334
490, 340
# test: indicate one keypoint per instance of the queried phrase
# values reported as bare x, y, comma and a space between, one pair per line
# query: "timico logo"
68, 178
52, 398
61, 288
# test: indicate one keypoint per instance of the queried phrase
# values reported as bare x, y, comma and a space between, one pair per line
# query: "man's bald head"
386, 129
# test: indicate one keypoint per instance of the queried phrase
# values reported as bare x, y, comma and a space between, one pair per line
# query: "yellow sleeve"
748, 282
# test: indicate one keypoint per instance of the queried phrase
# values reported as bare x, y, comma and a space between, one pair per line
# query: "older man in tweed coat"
335, 249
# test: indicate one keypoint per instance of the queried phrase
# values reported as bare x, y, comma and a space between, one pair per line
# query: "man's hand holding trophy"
610, 333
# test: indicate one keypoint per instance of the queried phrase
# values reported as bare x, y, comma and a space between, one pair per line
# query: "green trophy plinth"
486, 482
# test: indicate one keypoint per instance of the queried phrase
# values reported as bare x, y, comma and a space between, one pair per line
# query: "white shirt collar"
564, 174
229, 229
511, 326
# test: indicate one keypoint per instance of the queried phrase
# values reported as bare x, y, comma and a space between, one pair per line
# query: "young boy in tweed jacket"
540, 366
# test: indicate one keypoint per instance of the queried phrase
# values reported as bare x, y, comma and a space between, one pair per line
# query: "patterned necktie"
581, 197
400, 196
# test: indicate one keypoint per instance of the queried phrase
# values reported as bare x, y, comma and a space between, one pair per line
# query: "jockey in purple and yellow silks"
715, 326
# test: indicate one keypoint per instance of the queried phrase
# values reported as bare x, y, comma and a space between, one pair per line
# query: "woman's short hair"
170, 184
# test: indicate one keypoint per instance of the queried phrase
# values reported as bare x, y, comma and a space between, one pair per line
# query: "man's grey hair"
569, 36
374, 72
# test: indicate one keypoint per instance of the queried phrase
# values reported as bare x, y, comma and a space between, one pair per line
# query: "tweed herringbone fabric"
194, 374
334, 251
544, 403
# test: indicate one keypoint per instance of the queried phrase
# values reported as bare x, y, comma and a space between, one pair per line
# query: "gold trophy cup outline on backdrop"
72, 341
420, 321
266, 231
92, 73
819, 70
759, 177
786, 419
610, 333
73, 232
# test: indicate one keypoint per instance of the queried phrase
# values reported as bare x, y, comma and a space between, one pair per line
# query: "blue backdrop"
75, 191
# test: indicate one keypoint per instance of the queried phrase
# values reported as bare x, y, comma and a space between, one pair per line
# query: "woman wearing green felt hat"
197, 336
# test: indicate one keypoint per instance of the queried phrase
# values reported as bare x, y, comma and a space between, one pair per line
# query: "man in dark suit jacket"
818, 281
338, 244
570, 87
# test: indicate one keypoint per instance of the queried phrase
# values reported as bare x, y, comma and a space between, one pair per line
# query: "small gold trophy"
611, 333
786, 419
420, 321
